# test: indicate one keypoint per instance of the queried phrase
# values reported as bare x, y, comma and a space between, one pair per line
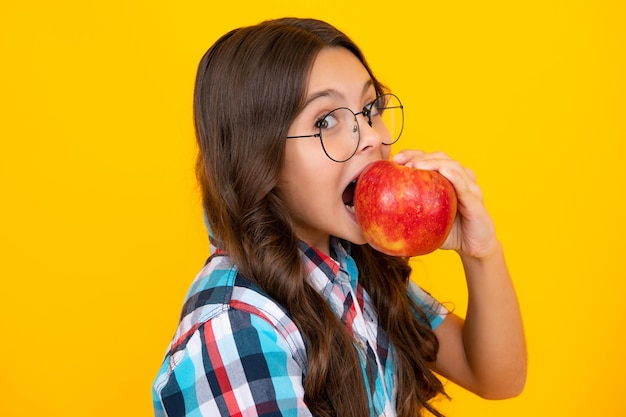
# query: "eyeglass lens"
340, 130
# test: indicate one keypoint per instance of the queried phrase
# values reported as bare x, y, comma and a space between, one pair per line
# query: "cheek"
297, 181
300, 150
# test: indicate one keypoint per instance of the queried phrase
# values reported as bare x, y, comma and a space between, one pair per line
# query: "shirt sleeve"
235, 364
434, 311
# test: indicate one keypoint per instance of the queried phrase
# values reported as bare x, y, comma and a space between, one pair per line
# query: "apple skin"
404, 211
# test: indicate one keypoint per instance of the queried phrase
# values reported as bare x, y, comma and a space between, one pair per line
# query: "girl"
294, 314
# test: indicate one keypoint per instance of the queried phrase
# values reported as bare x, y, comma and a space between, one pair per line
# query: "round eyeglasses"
340, 132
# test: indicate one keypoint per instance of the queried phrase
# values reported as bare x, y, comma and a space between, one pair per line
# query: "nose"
370, 136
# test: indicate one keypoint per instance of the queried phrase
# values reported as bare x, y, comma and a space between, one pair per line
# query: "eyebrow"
330, 92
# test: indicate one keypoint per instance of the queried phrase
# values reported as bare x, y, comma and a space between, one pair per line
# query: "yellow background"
100, 225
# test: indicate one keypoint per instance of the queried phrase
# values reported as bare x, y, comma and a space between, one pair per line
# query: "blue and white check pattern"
237, 353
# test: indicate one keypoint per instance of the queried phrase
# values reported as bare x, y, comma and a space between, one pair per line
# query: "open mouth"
348, 196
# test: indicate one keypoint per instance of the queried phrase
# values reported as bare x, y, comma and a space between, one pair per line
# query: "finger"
473, 183
406, 155
463, 179
439, 163
420, 159
470, 173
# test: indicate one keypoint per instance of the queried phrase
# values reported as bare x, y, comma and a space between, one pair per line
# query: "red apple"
404, 211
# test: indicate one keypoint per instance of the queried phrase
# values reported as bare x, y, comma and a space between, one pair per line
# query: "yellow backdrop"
100, 225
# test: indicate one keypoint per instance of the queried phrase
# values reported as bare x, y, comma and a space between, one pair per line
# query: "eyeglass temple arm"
316, 135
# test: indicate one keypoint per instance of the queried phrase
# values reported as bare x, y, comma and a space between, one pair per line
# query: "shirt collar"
314, 260
323, 270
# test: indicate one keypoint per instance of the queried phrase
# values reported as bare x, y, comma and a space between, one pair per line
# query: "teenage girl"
293, 313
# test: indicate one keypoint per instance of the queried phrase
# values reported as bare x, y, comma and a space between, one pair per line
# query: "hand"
473, 233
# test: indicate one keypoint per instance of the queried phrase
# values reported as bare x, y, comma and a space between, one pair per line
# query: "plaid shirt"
236, 352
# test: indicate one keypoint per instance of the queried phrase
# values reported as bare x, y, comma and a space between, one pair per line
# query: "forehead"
338, 69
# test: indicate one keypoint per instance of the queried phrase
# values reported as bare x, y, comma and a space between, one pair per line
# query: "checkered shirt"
236, 352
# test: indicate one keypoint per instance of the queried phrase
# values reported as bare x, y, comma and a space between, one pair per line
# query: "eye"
376, 107
327, 122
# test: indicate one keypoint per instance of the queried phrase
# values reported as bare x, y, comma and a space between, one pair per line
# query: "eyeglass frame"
366, 112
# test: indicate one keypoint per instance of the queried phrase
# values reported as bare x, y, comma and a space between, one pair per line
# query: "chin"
357, 242
356, 238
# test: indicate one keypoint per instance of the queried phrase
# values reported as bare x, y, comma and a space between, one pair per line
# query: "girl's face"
318, 190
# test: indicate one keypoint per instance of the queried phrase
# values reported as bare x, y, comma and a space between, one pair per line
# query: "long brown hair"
251, 84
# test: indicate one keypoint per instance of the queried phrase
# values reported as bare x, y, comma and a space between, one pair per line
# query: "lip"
355, 178
351, 213
358, 174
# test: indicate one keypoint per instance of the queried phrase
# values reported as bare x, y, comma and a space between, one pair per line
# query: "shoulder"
226, 301
231, 337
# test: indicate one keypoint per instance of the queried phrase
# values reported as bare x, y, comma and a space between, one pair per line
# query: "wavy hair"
250, 86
